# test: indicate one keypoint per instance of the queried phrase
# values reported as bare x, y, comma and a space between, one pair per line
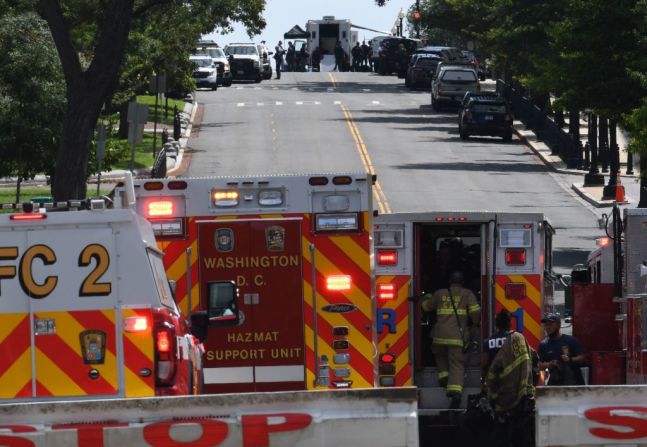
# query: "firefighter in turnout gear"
510, 385
454, 307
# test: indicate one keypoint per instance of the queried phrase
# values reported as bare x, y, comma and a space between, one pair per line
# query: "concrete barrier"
358, 418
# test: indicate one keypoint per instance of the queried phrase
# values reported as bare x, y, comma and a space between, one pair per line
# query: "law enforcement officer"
492, 345
509, 383
453, 307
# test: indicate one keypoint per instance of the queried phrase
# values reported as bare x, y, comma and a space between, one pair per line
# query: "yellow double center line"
382, 204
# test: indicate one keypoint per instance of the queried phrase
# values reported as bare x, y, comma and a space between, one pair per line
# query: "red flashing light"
160, 208
387, 257
527, 225
602, 242
28, 216
386, 291
387, 358
515, 256
439, 219
318, 181
163, 342
136, 324
515, 291
416, 15
338, 282
177, 184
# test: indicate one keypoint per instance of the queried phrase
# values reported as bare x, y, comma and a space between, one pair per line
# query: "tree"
32, 96
92, 38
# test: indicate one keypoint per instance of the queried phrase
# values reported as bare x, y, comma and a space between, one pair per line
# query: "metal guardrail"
560, 142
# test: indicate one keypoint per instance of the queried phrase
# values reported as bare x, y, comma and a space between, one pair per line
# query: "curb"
176, 169
598, 203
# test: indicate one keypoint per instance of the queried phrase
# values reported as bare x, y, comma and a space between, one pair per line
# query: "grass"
8, 194
143, 153
162, 117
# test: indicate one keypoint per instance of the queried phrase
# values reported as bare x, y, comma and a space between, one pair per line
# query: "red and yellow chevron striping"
15, 350
531, 304
139, 355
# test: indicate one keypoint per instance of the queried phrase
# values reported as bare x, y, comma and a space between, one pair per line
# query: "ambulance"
86, 310
328, 291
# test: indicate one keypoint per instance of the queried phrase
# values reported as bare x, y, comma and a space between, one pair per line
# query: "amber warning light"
161, 208
338, 282
135, 324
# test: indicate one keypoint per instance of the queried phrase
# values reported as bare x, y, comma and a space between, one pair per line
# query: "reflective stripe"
454, 388
450, 311
512, 366
448, 341
443, 374
283, 373
473, 308
243, 374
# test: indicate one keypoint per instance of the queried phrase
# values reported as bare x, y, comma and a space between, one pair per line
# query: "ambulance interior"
328, 37
440, 250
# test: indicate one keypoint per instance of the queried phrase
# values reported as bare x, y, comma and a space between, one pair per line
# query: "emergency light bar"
515, 256
28, 216
225, 198
338, 282
135, 324
387, 257
386, 291
160, 208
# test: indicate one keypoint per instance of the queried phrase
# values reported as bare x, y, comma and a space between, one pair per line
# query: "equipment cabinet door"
265, 352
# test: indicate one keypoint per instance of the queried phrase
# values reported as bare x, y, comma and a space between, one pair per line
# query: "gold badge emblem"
275, 238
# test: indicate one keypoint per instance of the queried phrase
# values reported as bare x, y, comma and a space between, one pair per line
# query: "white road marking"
241, 104
279, 103
299, 103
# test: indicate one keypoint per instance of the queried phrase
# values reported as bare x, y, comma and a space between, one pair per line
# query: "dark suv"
421, 70
484, 114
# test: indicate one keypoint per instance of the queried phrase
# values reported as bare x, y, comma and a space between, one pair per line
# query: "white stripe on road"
299, 103
337, 103
283, 373
317, 103
279, 103
260, 104
243, 374
241, 104
375, 103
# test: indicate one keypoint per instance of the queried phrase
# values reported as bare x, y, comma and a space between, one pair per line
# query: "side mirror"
200, 325
222, 302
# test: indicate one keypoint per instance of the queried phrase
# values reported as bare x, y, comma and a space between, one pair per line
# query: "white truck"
325, 33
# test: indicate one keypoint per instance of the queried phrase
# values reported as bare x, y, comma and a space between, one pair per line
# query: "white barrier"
613, 415
358, 418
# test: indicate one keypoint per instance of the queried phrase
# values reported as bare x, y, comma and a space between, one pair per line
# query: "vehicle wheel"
214, 87
507, 136
464, 135
227, 84
434, 104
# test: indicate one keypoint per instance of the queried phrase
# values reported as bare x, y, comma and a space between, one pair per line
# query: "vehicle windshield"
427, 63
488, 108
458, 76
242, 50
215, 52
206, 62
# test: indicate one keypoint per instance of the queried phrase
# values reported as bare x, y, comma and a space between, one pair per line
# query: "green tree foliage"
32, 96
93, 38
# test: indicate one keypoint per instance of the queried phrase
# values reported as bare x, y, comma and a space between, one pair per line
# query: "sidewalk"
592, 194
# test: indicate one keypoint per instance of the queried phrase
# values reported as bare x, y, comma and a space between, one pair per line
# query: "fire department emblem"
275, 238
224, 239
93, 346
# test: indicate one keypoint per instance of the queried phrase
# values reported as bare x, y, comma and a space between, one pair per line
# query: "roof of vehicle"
490, 97
199, 56
240, 43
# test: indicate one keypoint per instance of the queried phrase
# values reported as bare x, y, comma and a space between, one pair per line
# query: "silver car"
450, 83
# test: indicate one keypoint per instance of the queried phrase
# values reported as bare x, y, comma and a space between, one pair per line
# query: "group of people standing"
510, 367
293, 60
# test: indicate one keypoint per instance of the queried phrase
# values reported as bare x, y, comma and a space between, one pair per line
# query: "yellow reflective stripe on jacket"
454, 389
512, 366
443, 374
473, 308
448, 341
450, 311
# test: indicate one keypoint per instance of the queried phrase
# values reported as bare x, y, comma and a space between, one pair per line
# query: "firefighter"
454, 307
510, 386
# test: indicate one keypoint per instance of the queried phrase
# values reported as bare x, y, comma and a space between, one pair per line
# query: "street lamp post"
401, 17
609, 191
593, 177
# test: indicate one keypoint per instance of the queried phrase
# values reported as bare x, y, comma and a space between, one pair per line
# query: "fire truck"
86, 310
609, 303
327, 292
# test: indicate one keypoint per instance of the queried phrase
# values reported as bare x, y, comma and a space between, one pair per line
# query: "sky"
281, 15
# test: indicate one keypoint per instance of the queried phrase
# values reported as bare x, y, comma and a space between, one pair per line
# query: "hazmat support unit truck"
326, 290
94, 345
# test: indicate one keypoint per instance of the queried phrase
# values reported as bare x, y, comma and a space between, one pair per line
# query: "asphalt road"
348, 122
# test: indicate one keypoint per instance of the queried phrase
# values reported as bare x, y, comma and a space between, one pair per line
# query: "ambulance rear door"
265, 351
58, 335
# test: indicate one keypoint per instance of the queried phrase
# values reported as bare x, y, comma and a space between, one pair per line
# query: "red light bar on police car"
338, 282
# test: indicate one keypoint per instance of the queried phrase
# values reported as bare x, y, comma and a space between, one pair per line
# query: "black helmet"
456, 278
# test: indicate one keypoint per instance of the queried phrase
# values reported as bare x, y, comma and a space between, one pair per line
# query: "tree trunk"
123, 121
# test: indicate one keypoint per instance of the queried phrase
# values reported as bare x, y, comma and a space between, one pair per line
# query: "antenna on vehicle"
129, 188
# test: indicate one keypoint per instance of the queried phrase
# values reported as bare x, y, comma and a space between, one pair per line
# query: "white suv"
451, 82
245, 62
205, 72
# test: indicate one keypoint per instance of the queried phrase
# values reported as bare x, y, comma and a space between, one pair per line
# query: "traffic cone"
620, 190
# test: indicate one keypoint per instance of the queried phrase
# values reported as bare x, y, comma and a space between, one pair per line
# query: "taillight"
387, 369
165, 360
515, 256
515, 291
386, 291
28, 216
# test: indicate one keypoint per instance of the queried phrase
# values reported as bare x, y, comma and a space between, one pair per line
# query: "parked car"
471, 58
484, 114
450, 83
205, 72
421, 71
245, 62
392, 58
265, 61
222, 64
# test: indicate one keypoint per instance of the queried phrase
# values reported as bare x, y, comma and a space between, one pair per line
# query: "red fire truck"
326, 290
